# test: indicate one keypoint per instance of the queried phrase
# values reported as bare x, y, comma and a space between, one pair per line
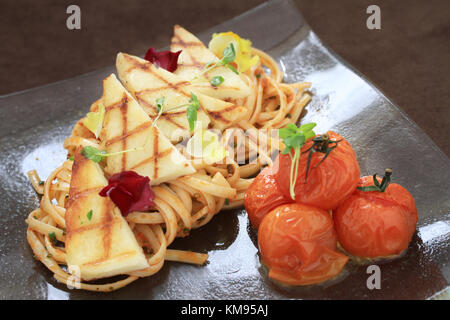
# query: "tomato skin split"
329, 183
297, 243
262, 196
376, 224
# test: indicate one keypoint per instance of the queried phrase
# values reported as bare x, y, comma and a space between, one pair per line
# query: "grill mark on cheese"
155, 153
147, 66
178, 41
130, 133
118, 104
108, 222
218, 115
160, 155
124, 110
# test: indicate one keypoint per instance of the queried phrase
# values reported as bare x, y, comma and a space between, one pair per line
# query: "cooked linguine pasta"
183, 204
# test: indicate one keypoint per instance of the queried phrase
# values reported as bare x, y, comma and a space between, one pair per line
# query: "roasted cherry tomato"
327, 183
375, 224
262, 196
297, 243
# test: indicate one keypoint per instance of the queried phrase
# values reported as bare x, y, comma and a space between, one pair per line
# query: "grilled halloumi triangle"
100, 244
148, 83
193, 58
127, 126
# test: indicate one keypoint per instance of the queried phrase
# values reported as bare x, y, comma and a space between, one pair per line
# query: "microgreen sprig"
160, 108
294, 139
97, 155
229, 55
191, 111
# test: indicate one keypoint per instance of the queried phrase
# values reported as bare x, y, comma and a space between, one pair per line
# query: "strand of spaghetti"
155, 237
283, 106
250, 169
95, 287
257, 108
175, 203
46, 204
35, 181
145, 218
184, 196
170, 218
42, 254
270, 63
209, 188
55, 253
186, 256
44, 228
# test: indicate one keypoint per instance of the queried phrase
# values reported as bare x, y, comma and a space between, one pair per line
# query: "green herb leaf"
160, 103
227, 202
191, 111
229, 66
89, 215
229, 54
71, 158
93, 153
217, 80
41, 183
52, 237
97, 155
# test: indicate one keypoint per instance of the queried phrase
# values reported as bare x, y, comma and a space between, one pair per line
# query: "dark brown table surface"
408, 59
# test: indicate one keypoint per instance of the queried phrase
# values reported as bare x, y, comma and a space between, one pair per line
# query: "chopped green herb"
89, 215
217, 81
191, 111
41, 183
288, 115
52, 237
227, 202
258, 75
72, 158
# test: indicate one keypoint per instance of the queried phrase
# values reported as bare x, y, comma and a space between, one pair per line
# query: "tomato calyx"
321, 144
377, 186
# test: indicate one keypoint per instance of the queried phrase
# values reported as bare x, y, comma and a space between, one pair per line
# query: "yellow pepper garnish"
205, 144
244, 59
94, 120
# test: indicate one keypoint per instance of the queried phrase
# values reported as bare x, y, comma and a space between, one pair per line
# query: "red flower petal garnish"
165, 59
129, 191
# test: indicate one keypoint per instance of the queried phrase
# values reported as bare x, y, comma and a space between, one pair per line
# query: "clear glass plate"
35, 123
